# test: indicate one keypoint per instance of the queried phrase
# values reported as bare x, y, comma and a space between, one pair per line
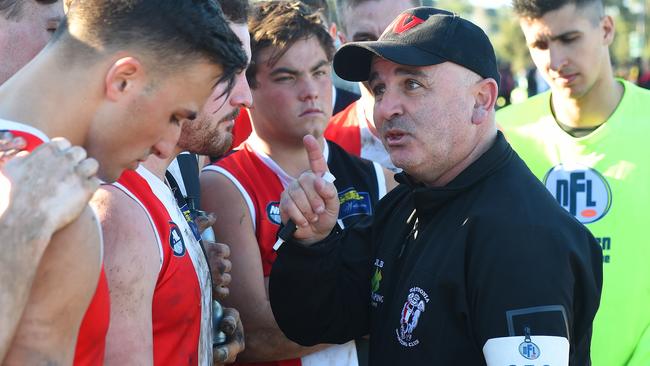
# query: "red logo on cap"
405, 22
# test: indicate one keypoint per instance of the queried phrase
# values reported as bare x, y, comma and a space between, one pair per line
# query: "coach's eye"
378, 90
412, 84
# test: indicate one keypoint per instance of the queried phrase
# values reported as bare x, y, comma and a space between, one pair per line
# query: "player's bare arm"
65, 281
32, 211
132, 263
248, 290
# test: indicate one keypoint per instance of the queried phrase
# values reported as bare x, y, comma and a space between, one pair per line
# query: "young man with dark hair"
292, 89
354, 127
148, 318
31, 211
586, 139
116, 79
469, 261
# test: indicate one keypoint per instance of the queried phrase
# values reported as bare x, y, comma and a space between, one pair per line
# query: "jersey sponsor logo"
354, 203
413, 308
176, 240
582, 191
273, 212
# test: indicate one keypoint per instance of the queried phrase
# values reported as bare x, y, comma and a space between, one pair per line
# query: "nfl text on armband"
527, 351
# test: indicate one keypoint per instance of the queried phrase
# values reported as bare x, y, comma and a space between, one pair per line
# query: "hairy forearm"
16, 278
21, 249
270, 344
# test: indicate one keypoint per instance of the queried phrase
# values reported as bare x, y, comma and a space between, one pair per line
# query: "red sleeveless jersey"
91, 341
177, 299
242, 128
344, 129
262, 198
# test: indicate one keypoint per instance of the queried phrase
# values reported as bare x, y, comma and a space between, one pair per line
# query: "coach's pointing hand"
311, 202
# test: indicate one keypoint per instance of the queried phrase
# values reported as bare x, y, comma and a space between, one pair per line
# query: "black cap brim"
352, 61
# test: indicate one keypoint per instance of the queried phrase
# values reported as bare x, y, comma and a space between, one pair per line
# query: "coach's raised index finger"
317, 161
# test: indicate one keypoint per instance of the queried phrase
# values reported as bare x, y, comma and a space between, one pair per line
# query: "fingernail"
320, 209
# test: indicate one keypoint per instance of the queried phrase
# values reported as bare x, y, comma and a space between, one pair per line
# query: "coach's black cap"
420, 37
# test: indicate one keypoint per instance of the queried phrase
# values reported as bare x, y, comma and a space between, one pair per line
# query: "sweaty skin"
31, 211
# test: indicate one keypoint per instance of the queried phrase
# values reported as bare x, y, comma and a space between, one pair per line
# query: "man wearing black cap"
469, 261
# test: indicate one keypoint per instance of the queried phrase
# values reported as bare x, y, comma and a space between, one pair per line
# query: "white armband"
533, 351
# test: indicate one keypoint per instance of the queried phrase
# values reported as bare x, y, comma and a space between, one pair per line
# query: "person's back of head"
279, 24
118, 76
380, 12
166, 33
236, 11
319, 5
535, 9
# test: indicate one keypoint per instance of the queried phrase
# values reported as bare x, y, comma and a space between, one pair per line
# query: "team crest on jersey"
413, 308
176, 240
581, 190
273, 212
354, 203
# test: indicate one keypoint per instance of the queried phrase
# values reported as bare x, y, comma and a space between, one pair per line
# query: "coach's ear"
486, 92
125, 76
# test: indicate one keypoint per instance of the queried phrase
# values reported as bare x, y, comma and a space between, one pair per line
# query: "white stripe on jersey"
240, 188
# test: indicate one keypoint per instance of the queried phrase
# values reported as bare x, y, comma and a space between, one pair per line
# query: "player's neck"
158, 166
292, 158
592, 109
42, 96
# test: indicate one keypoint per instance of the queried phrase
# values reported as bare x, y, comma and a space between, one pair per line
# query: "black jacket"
492, 255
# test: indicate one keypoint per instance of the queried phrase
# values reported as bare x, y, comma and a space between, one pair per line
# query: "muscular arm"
132, 263
30, 212
63, 286
248, 290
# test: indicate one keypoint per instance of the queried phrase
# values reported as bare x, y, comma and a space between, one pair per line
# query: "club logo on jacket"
582, 191
176, 240
375, 284
413, 308
273, 212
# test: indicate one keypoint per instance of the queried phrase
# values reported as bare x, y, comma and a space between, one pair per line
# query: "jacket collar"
427, 200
